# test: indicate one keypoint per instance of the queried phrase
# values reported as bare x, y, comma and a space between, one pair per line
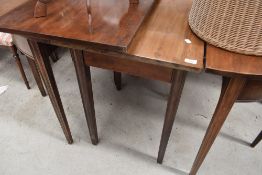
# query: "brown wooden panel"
252, 91
229, 63
167, 38
128, 66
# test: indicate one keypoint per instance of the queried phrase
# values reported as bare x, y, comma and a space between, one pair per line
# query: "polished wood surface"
133, 1
227, 63
9, 5
166, 37
109, 23
19, 64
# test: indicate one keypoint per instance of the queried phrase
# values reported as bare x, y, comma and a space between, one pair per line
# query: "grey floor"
129, 126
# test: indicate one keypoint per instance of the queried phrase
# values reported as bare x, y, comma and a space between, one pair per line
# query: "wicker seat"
234, 25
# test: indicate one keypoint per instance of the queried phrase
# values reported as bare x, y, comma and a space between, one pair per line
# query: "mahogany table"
242, 82
149, 39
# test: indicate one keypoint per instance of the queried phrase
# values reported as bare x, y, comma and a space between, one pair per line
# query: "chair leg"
257, 140
36, 75
19, 65
178, 81
229, 94
118, 80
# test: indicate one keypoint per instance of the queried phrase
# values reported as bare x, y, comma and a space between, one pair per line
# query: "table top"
103, 22
164, 38
8, 5
228, 63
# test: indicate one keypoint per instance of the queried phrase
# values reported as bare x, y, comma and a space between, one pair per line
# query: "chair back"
22, 45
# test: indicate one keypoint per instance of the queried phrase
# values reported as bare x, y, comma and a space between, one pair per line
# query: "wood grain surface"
163, 39
102, 22
166, 37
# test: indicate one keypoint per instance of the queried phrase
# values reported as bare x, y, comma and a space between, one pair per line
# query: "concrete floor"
129, 126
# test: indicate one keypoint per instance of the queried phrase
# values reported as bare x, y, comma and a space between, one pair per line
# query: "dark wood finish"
41, 7
113, 26
85, 86
128, 66
177, 84
118, 80
227, 98
162, 37
19, 65
37, 76
45, 68
257, 140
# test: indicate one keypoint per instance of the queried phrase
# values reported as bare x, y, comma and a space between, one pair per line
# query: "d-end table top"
228, 63
155, 31
166, 37
110, 23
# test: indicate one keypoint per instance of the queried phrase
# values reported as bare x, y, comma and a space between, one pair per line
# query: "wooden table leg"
178, 81
117, 80
229, 95
36, 74
257, 140
19, 65
85, 86
45, 69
